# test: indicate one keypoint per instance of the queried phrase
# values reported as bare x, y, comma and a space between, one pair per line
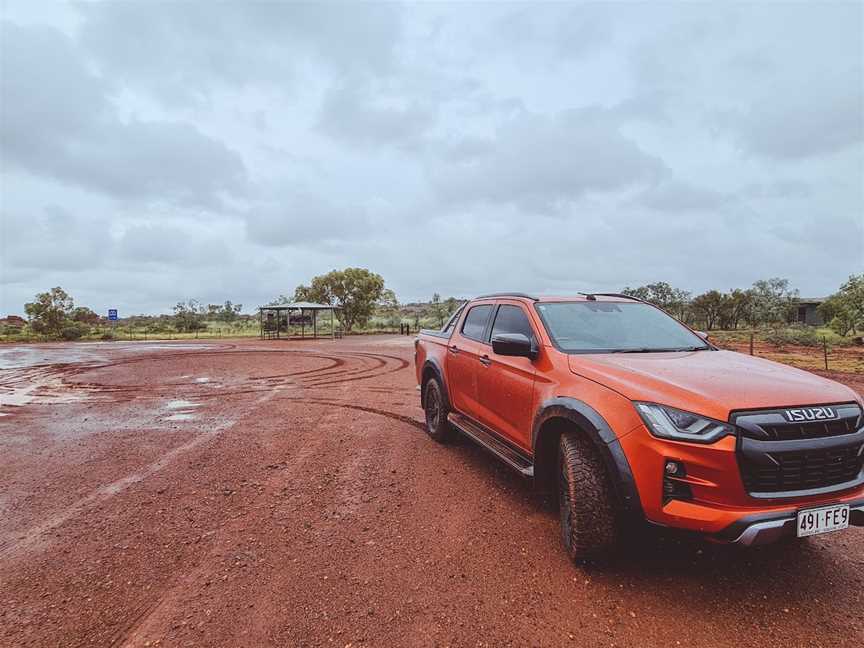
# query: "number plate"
822, 520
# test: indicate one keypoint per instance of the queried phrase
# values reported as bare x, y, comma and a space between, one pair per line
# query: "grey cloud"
817, 235
554, 37
54, 239
813, 118
675, 195
753, 74
182, 51
359, 118
58, 121
156, 161
778, 189
44, 84
538, 161
304, 218
155, 243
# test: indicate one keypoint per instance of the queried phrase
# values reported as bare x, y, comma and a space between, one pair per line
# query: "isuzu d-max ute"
626, 415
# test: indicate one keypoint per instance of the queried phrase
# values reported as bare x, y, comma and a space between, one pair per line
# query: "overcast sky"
156, 152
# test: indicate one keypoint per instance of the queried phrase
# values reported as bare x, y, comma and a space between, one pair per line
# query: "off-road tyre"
590, 527
435, 407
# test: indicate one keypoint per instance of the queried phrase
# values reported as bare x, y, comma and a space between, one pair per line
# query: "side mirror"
702, 334
514, 344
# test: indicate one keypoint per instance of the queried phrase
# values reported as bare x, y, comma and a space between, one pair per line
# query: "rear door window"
512, 319
475, 322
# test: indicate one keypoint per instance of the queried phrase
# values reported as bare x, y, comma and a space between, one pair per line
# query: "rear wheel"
436, 411
589, 522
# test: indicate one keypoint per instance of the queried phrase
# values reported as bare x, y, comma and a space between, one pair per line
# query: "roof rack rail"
508, 294
621, 295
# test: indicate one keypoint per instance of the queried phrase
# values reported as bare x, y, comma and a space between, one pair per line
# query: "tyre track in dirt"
32, 536
402, 418
342, 368
163, 611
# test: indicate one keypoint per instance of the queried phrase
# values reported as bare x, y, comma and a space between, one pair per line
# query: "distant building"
12, 320
806, 311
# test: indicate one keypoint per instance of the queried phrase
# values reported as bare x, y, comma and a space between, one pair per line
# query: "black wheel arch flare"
595, 427
431, 366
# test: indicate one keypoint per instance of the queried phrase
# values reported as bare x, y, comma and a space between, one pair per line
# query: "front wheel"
586, 500
436, 411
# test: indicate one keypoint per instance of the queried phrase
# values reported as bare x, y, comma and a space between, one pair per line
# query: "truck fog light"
673, 487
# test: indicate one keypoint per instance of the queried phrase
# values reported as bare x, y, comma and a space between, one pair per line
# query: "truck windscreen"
615, 327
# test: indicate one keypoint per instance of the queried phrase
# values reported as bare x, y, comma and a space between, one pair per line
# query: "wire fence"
134, 334
818, 354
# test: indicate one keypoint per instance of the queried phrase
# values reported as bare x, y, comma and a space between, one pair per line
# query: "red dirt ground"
284, 494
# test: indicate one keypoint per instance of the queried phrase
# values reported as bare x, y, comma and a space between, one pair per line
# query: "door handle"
485, 361
453, 349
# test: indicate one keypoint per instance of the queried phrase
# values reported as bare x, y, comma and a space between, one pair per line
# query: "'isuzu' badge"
810, 414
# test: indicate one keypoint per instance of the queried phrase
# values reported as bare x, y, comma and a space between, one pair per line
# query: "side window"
451, 323
512, 319
475, 322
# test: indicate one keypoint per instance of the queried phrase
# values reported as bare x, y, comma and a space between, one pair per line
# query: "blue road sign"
112, 314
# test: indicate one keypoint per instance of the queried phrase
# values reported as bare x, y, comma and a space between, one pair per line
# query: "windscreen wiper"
655, 350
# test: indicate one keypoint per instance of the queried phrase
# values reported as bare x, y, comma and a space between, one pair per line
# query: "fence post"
825, 351
751, 342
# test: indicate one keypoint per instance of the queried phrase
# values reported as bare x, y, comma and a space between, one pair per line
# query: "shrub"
73, 332
800, 336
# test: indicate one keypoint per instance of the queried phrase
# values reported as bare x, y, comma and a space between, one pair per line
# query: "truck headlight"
670, 423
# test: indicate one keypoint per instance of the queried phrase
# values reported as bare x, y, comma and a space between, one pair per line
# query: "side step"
516, 460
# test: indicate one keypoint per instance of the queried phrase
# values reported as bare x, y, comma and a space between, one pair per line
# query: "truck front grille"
779, 459
811, 430
802, 471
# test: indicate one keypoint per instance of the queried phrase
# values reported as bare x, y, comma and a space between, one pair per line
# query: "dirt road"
283, 494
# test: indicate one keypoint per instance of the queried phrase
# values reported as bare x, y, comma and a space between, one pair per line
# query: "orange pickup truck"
626, 415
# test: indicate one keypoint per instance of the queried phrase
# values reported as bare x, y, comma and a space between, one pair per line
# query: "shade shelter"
274, 320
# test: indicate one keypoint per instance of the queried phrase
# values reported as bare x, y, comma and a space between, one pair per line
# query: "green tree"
735, 308
388, 300
189, 316
388, 308
672, 300
450, 306
50, 311
438, 309
710, 306
844, 310
354, 291
283, 299
773, 301
229, 312
84, 315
